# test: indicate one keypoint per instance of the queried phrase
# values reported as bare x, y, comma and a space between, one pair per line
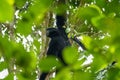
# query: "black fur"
56, 46
59, 40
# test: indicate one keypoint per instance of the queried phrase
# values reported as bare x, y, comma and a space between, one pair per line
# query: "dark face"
60, 21
52, 32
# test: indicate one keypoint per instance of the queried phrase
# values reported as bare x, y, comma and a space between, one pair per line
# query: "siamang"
56, 46
57, 43
59, 40
60, 21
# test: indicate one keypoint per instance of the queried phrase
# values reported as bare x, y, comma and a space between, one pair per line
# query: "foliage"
23, 42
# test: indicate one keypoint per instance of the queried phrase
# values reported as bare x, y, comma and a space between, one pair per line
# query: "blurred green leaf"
3, 65
70, 55
26, 75
26, 60
107, 24
89, 12
6, 47
110, 9
39, 9
101, 3
24, 26
37, 45
114, 74
20, 3
34, 15
11, 2
10, 77
64, 74
14, 50
80, 75
99, 62
6, 10
86, 41
78, 64
48, 63
61, 8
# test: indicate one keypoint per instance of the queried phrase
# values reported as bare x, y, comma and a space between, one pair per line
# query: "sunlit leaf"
9, 77
99, 62
11, 2
20, 3
24, 26
113, 74
107, 24
37, 45
26, 75
87, 41
6, 47
70, 55
3, 65
6, 11
26, 60
110, 9
48, 63
80, 75
64, 74
34, 15
78, 64
101, 3
88, 1
89, 12
39, 9
61, 9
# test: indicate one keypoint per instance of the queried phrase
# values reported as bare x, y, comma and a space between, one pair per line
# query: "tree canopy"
23, 41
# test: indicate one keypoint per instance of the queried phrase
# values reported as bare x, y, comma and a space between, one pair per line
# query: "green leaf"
99, 62
88, 1
26, 75
70, 55
24, 26
101, 3
37, 45
87, 41
61, 8
64, 74
3, 65
80, 75
6, 47
107, 24
20, 3
39, 9
26, 60
96, 20
33, 15
89, 12
78, 64
113, 74
48, 63
6, 10
9, 77
110, 9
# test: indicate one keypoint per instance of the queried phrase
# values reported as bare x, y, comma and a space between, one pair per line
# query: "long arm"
79, 42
